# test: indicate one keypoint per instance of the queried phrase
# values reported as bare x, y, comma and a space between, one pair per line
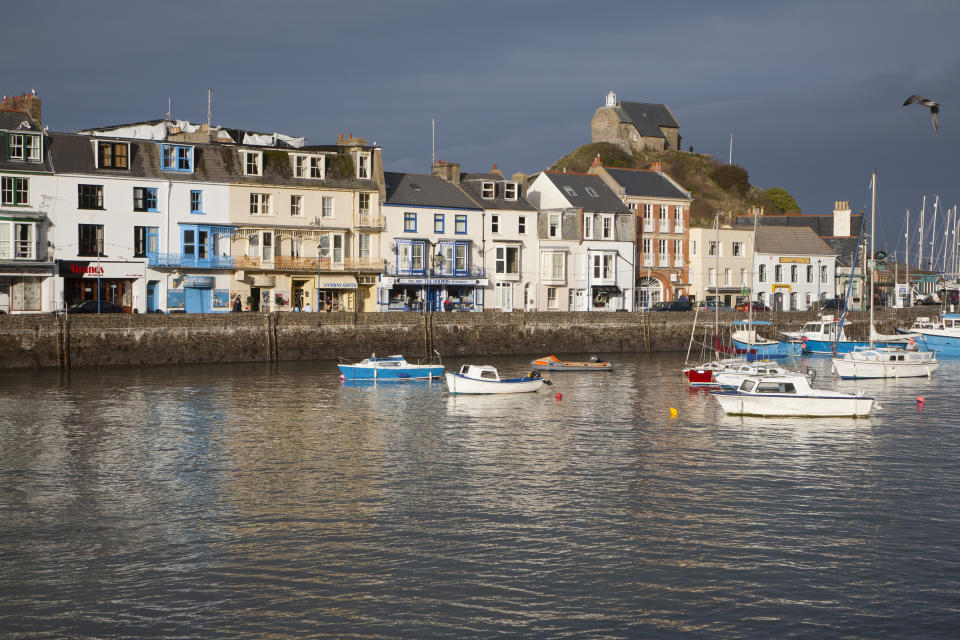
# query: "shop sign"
198, 282
462, 282
794, 260
266, 282
337, 285
92, 269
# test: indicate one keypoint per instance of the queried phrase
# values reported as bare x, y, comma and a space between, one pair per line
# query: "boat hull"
563, 365
460, 384
769, 350
826, 347
850, 369
779, 405
944, 344
384, 374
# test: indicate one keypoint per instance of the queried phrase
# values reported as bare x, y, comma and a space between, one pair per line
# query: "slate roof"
606, 201
421, 190
791, 241
843, 247
642, 182
472, 183
74, 153
647, 117
821, 223
12, 121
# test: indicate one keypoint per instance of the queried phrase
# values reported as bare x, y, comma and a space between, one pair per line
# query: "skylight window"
591, 191
570, 191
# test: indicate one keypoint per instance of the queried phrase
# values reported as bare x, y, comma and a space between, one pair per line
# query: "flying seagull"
934, 108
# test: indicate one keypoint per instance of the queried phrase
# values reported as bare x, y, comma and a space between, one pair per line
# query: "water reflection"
261, 501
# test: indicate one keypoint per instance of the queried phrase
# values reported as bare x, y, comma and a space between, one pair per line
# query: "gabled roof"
21, 122
791, 241
421, 190
646, 183
14, 120
606, 201
647, 117
472, 183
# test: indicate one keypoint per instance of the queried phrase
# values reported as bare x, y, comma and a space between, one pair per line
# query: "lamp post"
819, 279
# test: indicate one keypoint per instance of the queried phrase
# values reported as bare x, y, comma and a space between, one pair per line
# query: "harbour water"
259, 501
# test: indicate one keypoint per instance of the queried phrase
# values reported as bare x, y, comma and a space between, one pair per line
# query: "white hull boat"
886, 362
734, 377
783, 396
484, 379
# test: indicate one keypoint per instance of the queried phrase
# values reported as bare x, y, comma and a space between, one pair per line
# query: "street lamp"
819, 279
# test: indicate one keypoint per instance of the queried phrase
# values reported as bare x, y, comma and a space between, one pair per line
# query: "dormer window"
363, 166
113, 155
510, 190
570, 191
252, 163
591, 192
487, 191
175, 157
308, 167
24, 147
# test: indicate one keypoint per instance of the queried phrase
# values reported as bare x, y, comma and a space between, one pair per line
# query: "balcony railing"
678, 261
664, 226
19, 250
678, 228
648, 260
190, 261
469, 272
664, 260
364, 264
371, 221
648, 226
283, 263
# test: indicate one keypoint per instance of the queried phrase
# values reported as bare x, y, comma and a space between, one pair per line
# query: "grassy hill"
714, 186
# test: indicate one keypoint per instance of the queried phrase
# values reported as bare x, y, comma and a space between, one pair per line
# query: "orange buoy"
920, 401
343, 378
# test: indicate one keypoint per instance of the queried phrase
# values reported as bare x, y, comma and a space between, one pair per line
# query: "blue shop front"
421, 293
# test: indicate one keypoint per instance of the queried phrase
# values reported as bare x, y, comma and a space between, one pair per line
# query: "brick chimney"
841, 218
657, 166
27, 103
597, 162
449, 171
496, 171
350, 141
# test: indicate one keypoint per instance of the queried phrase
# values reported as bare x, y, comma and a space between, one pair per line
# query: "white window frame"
554, 225
552, 304
570, 191
737, 249
502, 253
588, 226
326, 206
648, 252
252, 163
363, 166
495, 223
603, 266
31, 150
664, 219
510, 191
553, 266
678, 253
296, 205
606, 227
487, 190
363, 203
260, 204
663, 257
678, 219
648, 218
363, 246
591, 192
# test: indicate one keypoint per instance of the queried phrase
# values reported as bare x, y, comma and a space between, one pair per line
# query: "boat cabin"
768, 386
480, 372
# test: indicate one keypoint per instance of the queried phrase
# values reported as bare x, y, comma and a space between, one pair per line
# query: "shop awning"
336, 281
612, 290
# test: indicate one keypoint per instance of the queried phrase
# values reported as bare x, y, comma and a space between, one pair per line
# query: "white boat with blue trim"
484, 379
790, 396
390, 368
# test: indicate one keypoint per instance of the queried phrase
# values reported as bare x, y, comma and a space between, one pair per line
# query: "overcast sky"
810, 90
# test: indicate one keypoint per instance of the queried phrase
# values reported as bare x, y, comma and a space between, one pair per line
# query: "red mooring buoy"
559, 396
920, 401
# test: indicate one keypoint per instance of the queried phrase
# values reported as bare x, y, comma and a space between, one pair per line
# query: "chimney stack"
841, 218
597, 162
496, 171
657, 166
449, 171
27, 103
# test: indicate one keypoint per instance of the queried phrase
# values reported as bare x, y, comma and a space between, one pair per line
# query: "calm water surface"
253, 501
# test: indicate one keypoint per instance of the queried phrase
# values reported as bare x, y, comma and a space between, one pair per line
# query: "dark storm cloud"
810, 90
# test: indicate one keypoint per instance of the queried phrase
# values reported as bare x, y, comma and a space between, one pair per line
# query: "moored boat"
553, 363
942, 337
702, 375
886, 362
484, 379
784, 396
733, 377
746, 340
388, 368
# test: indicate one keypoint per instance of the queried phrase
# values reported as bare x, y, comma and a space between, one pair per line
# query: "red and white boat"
702, 375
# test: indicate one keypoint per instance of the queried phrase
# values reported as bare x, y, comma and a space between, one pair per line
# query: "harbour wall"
78, 341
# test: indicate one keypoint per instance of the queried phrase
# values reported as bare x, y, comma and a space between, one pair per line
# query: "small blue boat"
942, 337
390, 368
746, 341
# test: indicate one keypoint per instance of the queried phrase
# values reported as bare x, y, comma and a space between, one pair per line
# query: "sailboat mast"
716, 282
753, 266
906, 259
873, 258
923, 210
933, 229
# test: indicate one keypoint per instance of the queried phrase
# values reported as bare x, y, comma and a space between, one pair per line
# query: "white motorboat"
886, 362
474, 378
733, 377
790, 396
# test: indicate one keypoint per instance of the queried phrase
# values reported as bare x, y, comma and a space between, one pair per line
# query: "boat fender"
343, 378
812, 374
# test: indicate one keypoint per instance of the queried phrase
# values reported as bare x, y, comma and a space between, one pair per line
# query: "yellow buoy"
673, 412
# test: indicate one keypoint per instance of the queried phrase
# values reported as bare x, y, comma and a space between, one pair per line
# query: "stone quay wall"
66, 342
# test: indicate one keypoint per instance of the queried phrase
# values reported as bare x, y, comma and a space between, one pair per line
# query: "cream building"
721, 263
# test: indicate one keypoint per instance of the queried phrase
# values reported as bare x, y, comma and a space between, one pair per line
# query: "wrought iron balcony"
442, 272
371, 221
190, 261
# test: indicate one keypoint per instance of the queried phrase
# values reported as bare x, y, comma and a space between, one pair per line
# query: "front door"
505, 289
778, 301
254, 298
152, 296
197, 300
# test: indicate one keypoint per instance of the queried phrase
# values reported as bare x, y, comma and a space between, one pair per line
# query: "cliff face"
715, 186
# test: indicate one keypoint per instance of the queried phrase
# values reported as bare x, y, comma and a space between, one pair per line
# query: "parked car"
711, 305
949, 296
673, 305
831, 304
90, 306
756, 304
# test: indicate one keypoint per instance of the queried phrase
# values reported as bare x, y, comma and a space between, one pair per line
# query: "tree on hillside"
731, 178
781, 199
